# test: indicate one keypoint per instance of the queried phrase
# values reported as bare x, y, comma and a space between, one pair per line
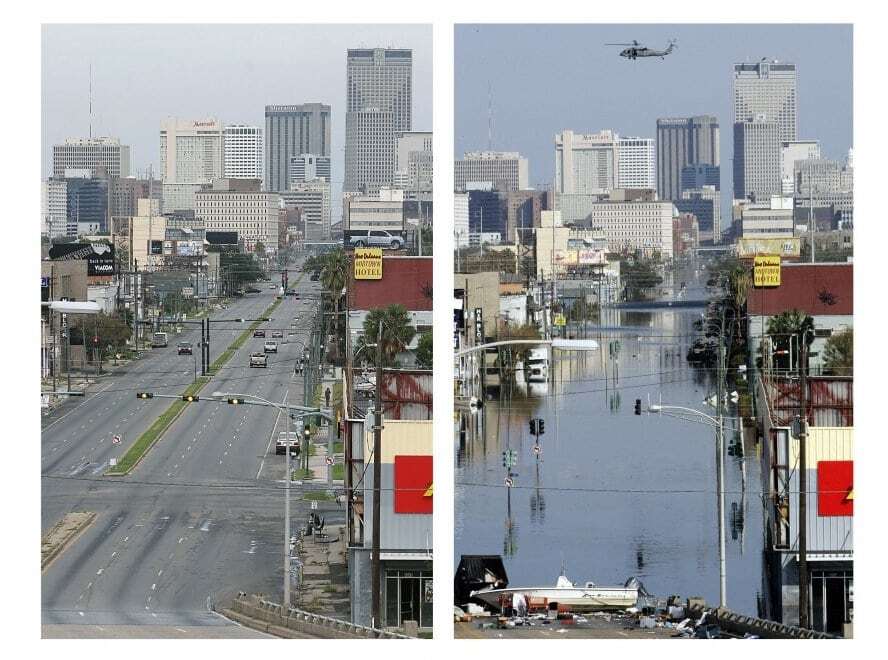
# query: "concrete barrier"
277, 620
740, 624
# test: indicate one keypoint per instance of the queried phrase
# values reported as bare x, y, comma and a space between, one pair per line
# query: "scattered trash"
647, 622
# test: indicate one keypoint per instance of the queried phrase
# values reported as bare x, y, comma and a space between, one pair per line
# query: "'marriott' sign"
766, 271
368, 263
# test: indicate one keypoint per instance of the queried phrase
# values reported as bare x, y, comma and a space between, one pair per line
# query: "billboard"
591, 257
221, 237
565, 257
766, 272
368, 263
747, 248
99, 256
189, 248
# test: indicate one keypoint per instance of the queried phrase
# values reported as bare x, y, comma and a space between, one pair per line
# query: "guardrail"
742, 624
255, 608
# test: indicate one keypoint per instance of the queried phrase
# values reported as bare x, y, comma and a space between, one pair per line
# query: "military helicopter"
636, 50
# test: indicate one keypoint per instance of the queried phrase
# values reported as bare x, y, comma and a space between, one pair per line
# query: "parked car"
277, 334
252, 289
184, 348
259, 333
258, 360
271, 347
291, 292
272, 287
315, 277
377, 238
280, 446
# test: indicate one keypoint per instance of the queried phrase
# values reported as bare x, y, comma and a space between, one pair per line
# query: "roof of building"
815, 289
405, 281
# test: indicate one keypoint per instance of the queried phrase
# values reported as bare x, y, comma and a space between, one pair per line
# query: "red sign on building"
413, 484
835, 488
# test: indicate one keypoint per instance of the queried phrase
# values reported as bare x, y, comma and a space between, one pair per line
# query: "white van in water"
537, 366
159, 340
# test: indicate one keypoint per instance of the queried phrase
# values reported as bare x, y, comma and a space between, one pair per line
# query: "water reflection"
616, 494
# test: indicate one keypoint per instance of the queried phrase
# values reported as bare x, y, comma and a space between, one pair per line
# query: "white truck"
258, 360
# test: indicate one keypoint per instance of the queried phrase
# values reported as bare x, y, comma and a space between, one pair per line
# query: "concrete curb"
66, 541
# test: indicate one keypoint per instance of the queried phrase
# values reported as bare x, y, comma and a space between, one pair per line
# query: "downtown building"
242, 152
414, 163
240, 205
683, 142
292, 130
308, 167
587, 163
312, 199
504, 170
191, 156
757, 156
630, 224
379, 107
637, 163
103, 154
54, 211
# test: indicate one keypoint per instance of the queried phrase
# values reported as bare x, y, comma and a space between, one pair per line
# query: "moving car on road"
159, 340
184, 348
282, 442
259, 333
271, 347
258, 360
277, 334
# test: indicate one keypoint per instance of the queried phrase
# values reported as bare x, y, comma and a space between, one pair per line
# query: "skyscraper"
504, 170
767, 88
757, 149
91, 154
291, 130
308, 167
586, 163
243, 147
683, 141
379, 106
190, 151
637, 163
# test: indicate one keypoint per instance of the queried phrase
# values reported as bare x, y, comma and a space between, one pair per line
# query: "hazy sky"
546, 78
144, 73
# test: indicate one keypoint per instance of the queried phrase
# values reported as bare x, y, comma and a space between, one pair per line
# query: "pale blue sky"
546, 78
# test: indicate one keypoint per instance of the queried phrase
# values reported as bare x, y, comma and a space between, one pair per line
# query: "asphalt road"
199, 519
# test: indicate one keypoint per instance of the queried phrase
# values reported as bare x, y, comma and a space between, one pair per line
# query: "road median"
155, 432
63, 532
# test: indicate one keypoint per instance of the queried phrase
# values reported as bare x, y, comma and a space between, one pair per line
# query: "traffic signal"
96, 340
505, 459
190, 398
235, 401
637, 406
542, 427
144, 395
533, 426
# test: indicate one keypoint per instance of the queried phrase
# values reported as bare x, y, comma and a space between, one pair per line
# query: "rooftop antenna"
489, 117
90, 100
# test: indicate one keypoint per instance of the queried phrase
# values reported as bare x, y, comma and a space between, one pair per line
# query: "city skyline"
581, 84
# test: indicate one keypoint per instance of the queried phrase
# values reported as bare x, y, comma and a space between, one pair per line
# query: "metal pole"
720, 468
287, 512
803, 484
377, 476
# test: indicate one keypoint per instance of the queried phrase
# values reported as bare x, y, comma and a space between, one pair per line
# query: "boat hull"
575, 599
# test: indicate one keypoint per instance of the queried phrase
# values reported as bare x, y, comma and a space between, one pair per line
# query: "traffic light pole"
377, 476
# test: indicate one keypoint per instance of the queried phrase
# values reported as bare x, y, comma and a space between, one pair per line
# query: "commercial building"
790, 154
312, 198
767, 87
93, 154
768, 220
54, 211
242, 152
291, 130
505, 170
240, 205
461, 219
308, 167
190, 150
488, 213
379, 106
147, 232
705, 204
757, 155
383, 211
126, 192
561, 248
694, 177
414, 161
683, 141
628, 226
87, 201
178, 197
685, 235
586, 163
637, 163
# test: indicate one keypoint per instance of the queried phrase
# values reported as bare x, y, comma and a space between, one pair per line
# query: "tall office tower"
705, 203
91, 154
694, 177
243, 148
504, 170
767, 88
413, 161
683, 141
291, 130
312, 198
757, 147
55, 207
379, 106
586, 163
637, 163
190, 150
307, 167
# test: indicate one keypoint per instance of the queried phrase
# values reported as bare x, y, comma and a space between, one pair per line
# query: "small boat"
567, 595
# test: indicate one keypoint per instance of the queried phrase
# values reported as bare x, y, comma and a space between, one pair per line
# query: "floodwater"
612, 494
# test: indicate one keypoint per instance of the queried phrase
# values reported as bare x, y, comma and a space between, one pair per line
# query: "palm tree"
334, 276
397, 333
785, 325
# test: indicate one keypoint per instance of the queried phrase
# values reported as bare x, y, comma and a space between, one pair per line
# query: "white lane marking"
181, 630
154, 615
89, 586
154, 586
99, 572
160, 572
181, 538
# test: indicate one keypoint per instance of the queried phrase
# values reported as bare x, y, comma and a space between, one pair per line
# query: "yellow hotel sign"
766, 271
368, 263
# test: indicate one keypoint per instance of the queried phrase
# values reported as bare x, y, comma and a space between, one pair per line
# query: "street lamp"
718, 424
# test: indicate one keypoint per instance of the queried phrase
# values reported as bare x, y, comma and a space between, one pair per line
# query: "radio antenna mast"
489, 116
90, 100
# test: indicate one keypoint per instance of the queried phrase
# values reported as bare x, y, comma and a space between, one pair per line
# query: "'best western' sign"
368, 263
766, 271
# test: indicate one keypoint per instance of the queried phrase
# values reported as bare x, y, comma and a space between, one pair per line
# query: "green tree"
334, 266
427, 241
838, 354
639, 275
784, 326
424, 351
397, 333
239, 269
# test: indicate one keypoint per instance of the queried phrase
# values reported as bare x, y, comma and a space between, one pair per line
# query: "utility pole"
289, 478
376, 585
720, 468
803, 482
